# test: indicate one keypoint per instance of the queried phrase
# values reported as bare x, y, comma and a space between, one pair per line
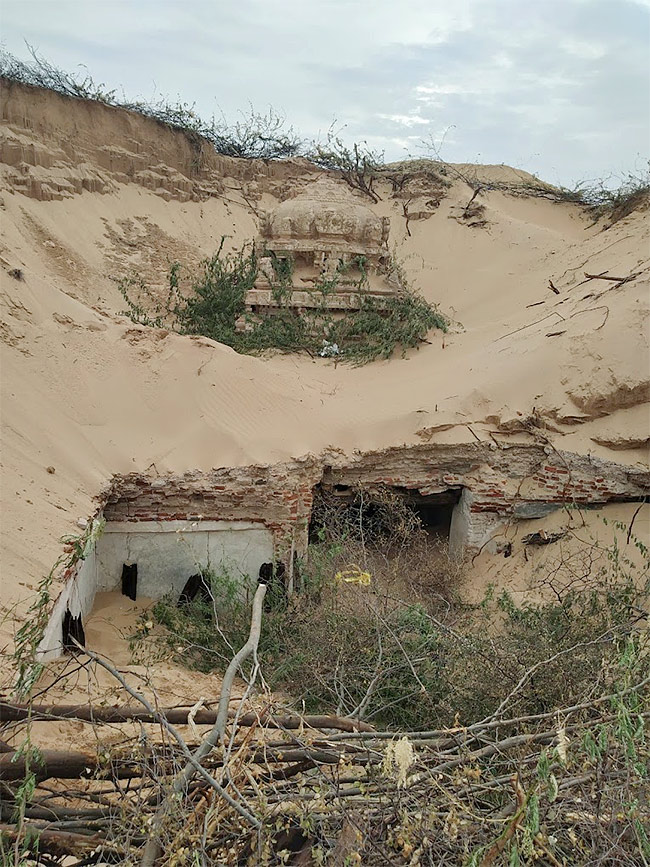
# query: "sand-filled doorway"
156, 558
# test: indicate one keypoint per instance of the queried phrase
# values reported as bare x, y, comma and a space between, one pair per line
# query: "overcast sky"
557, 87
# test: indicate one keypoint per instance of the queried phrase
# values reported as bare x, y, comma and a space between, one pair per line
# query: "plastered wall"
78, 596
168, 553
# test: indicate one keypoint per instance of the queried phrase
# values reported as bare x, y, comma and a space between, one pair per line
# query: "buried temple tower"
323, 237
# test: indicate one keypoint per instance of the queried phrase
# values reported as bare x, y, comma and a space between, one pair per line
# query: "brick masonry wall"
502, 482
279, 496
501, 479
498, 484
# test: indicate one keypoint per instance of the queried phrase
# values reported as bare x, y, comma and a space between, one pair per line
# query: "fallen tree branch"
61, 765
12, 712
196, 765
629, 529
605, 276
494, 723
60, 842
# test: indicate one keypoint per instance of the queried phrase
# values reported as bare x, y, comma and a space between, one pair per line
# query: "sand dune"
88, 394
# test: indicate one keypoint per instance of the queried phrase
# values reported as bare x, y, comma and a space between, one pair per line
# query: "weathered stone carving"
327, 217
324, 232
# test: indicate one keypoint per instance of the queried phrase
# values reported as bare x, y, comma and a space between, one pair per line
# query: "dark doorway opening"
196, 587
434, 510
130, 581
367, 511
73, 632
274, 576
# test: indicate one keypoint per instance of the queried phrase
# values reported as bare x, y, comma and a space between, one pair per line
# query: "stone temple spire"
325, 232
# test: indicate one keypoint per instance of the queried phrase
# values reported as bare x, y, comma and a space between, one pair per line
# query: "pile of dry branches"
300, 792
566, 787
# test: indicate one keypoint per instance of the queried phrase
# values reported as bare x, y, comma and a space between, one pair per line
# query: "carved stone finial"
326, 215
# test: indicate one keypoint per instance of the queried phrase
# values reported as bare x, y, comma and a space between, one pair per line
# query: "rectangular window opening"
72, 632
130, 580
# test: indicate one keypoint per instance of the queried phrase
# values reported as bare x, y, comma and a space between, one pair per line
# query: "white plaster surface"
79, 596
168, 553
471, 529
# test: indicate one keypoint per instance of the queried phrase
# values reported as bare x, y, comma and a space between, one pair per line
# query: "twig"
500, 843
490, 723
531, 671
378, 674
637, 510
407, 216
588, 309
153, 849
592, 277
605, 276
530, 325
193, 762
476, 192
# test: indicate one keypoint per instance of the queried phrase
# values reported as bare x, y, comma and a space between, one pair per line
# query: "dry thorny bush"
504, 734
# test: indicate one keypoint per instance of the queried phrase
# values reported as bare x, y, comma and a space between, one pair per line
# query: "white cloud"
405, 119
584, 50
427, 90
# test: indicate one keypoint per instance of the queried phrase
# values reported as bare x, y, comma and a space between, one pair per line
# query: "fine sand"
87, 394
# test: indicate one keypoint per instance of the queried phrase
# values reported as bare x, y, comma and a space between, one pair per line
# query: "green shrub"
403, 651
210, 631
373, 332
217, 297
215, 301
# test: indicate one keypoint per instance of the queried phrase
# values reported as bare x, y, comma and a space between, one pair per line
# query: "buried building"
160, 532
322, 249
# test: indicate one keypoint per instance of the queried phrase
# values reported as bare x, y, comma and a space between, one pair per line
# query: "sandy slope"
89, 394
